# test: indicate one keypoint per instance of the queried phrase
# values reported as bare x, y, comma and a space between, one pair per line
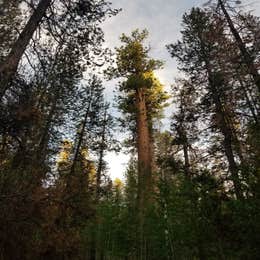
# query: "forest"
189, 191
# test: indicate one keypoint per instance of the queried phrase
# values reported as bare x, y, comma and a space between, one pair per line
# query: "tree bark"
9, 67
144, 166
143, 148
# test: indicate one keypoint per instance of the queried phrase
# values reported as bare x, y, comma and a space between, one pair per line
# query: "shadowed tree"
199, 50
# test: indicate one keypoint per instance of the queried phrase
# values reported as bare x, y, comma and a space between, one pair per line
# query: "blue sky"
162, 18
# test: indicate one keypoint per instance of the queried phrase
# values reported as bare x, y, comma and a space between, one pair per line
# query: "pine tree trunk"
9, 67
143, 144
224, 127
215, 83
185, 147
144, 165
80, 139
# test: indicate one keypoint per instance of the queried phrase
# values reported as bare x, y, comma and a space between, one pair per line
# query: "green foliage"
132, 56
137, 68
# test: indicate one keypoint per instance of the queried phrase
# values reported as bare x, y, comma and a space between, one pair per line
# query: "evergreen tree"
143, 90
204, 57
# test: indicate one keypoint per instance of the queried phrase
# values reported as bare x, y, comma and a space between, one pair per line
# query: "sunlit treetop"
132, 56
118, 183
65, 152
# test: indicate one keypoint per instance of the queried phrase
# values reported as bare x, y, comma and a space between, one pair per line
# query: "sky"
162, 18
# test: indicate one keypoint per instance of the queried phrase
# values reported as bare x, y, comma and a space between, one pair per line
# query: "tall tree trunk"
9, 67
249, 102
247, 58
225, 129
101, 156
185, 147
99, 171
215, 83
80, 139
144, 165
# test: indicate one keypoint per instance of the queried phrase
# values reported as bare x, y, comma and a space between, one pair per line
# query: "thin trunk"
99, 171
9, 67
185, 147
227, 133
183, 136
101, 156
81, 135
248, 60
251, 106
215, 82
